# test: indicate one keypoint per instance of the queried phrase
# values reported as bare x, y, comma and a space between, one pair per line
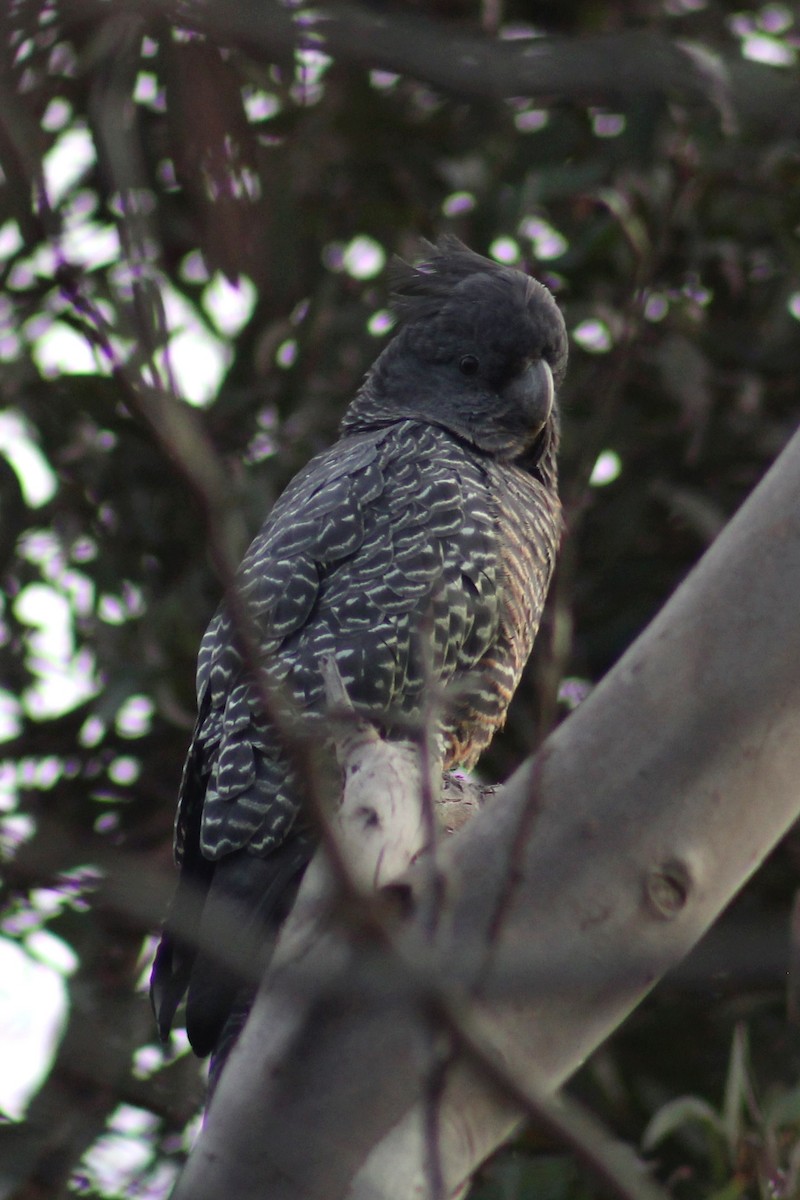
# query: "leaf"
686, 376
677, 1113
216, 156
736, 1088
700, 513
731, 1190
783, 1108
547, 1177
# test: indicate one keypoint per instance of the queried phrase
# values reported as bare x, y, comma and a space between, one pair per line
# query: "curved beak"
533, 393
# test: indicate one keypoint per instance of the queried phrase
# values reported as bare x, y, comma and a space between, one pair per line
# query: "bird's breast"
529, 527
527, 524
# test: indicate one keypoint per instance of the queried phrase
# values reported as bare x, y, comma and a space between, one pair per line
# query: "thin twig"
610, 1162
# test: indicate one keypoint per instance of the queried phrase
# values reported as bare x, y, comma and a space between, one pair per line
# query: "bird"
415, 552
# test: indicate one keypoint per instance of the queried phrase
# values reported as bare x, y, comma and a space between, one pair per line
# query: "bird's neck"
369, 411
541, 460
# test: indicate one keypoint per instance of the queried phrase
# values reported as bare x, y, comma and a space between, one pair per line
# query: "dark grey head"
480, 349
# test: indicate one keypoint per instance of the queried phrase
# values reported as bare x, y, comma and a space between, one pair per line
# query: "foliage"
147, 170
746, 1146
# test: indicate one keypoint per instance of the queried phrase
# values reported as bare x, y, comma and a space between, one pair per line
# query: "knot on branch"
667, 888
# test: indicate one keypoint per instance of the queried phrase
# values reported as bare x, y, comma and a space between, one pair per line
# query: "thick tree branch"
644, 814
616, 67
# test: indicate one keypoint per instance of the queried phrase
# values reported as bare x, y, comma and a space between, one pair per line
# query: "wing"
391, 553
386, 540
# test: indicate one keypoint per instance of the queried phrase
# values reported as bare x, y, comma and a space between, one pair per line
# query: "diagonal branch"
655, 802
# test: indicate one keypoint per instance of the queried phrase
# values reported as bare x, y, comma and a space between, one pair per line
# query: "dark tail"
217, 939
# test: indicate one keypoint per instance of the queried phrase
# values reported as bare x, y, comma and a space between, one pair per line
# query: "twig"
609, 1162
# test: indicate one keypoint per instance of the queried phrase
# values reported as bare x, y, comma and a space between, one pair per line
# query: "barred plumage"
435, 516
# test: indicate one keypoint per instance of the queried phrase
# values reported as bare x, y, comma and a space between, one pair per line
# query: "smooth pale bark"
594, 871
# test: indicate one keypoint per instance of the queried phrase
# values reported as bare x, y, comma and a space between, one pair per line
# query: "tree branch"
616, 67
651, 806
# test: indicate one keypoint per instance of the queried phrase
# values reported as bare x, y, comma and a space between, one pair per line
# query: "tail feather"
249, 894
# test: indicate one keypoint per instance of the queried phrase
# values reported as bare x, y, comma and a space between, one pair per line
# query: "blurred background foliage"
195, 219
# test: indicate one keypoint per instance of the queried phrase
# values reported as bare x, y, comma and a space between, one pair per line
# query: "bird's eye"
469, 365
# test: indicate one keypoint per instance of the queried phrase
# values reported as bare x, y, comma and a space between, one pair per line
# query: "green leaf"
515, 1177
783, 1108
736, 1087
677, 1113
731, 1191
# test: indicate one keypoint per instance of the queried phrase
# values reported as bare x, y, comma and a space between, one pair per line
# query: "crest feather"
418, 290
